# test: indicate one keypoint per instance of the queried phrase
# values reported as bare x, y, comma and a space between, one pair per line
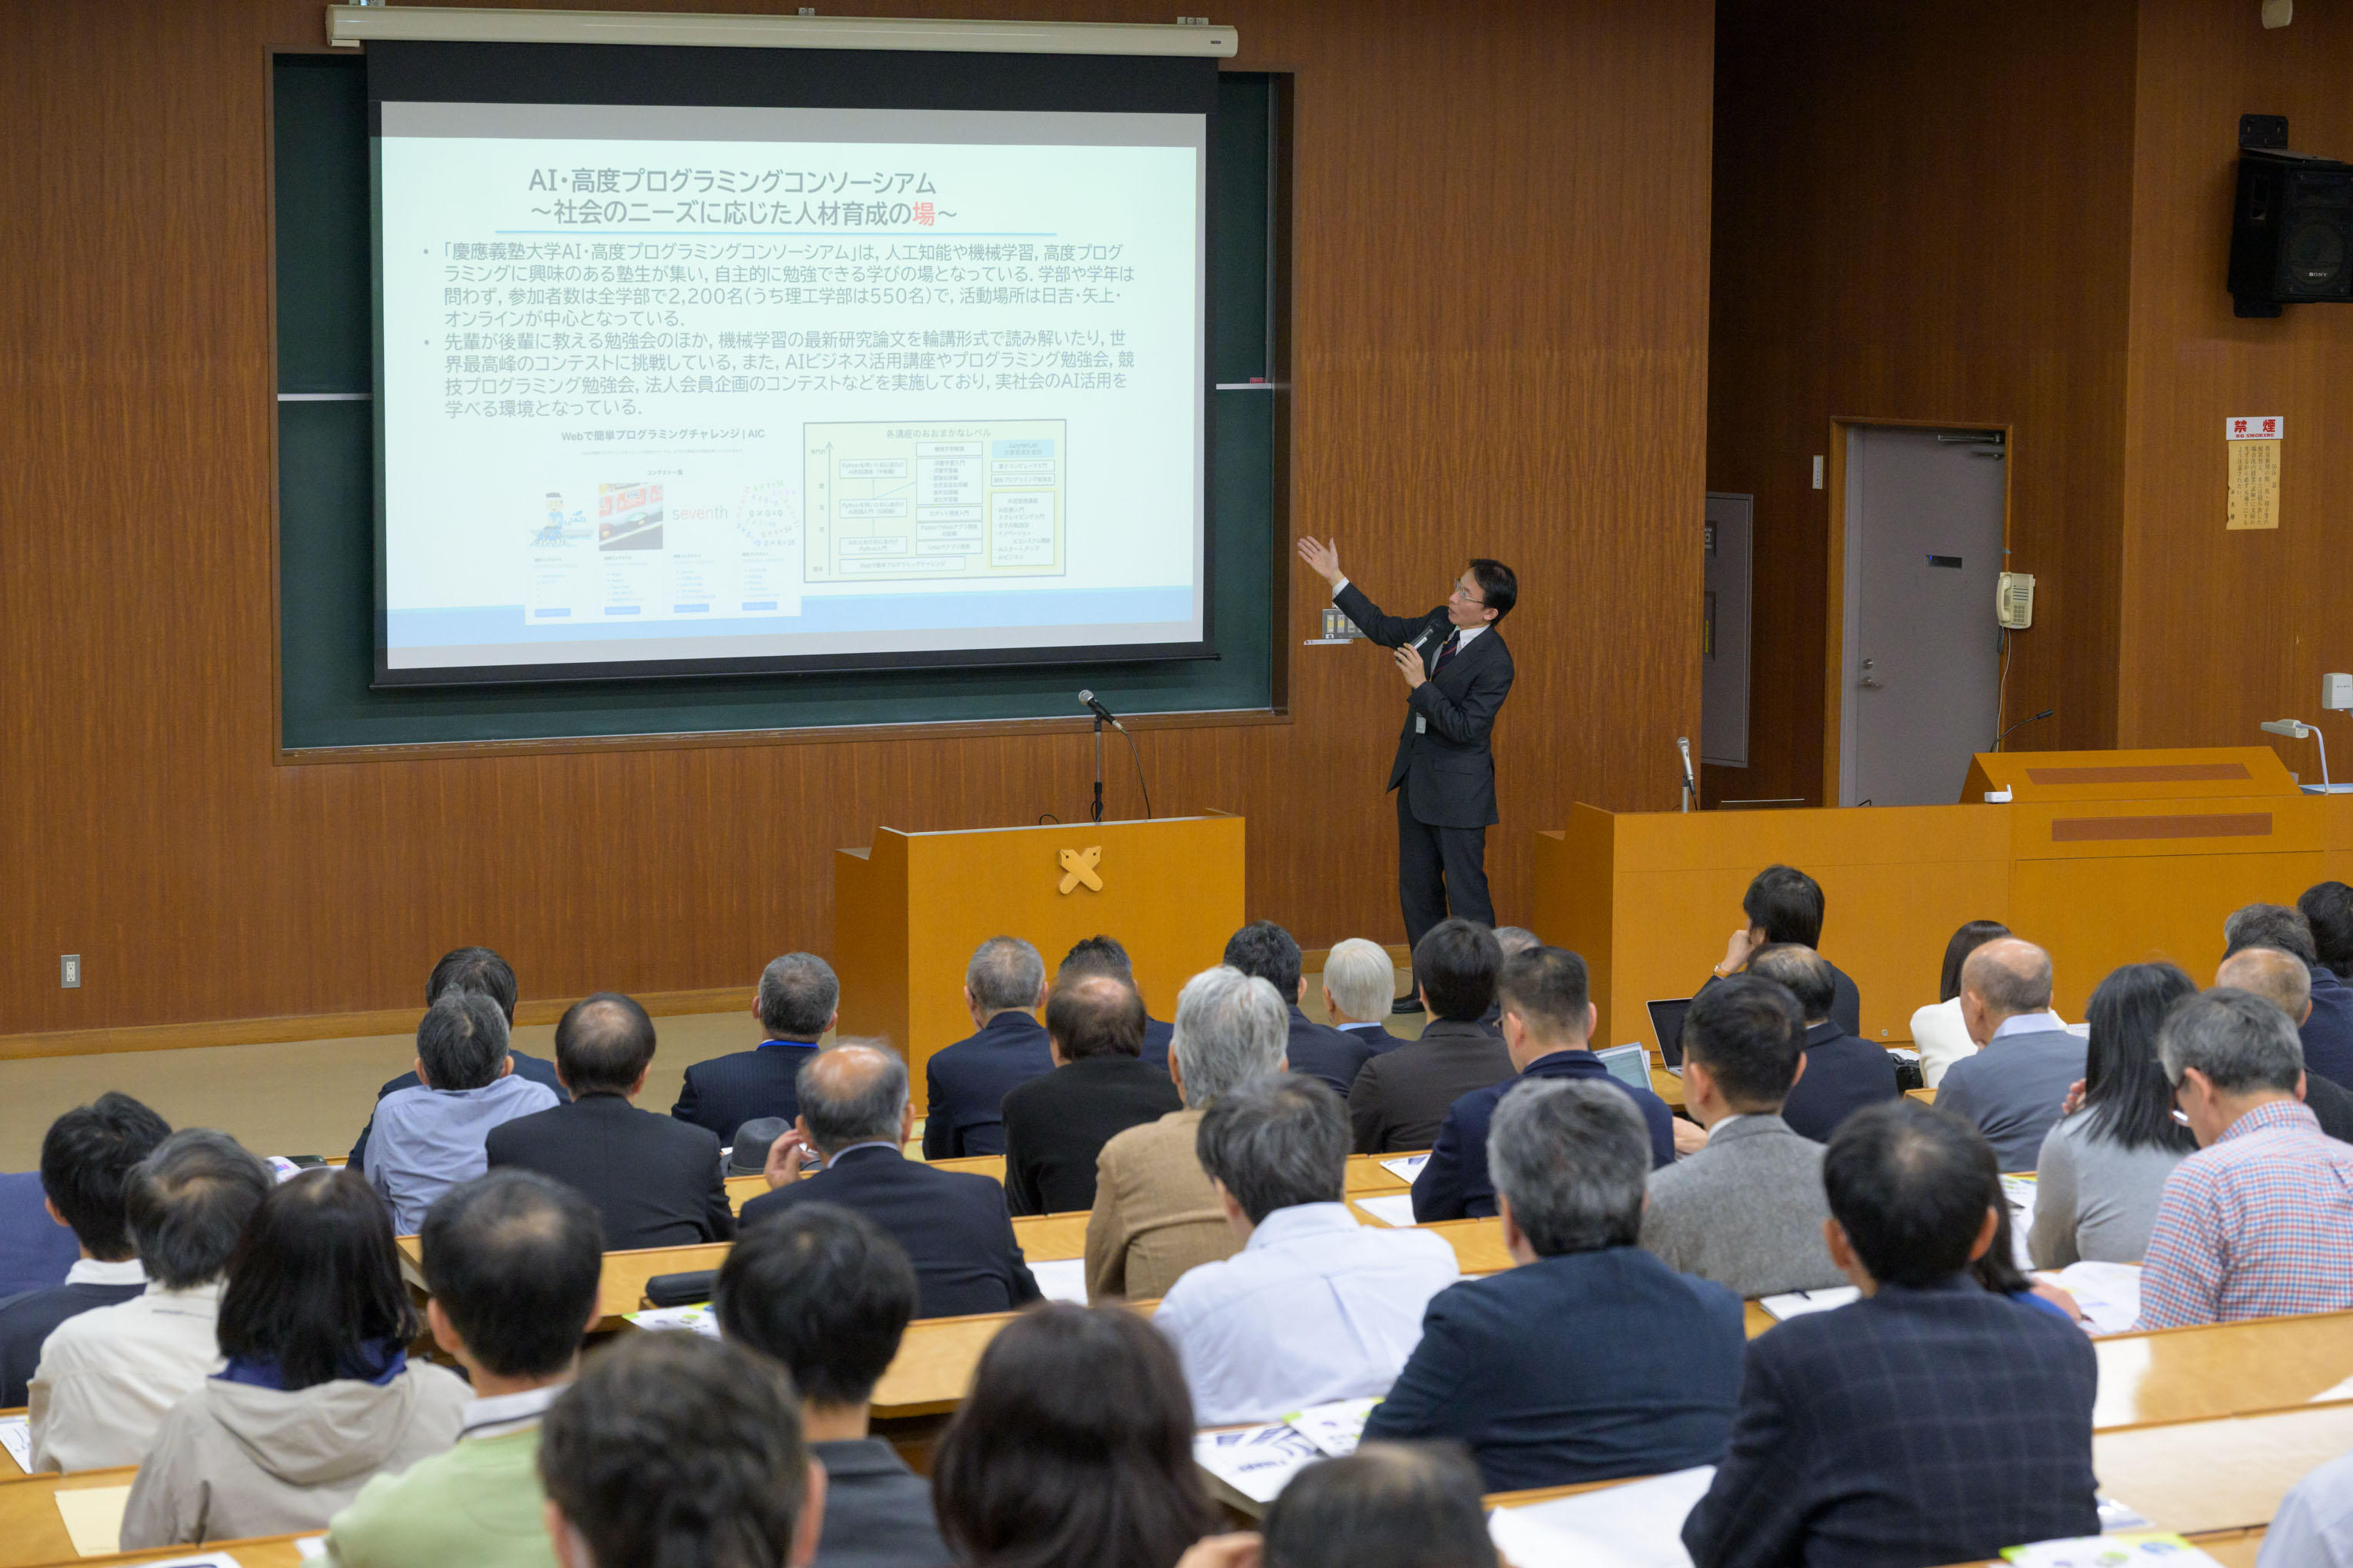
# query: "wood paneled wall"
1499, 328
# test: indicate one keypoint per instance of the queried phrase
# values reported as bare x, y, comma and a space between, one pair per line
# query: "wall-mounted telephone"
2013, 601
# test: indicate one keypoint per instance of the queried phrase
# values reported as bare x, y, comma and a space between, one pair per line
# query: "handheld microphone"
1087, 699
2021, 725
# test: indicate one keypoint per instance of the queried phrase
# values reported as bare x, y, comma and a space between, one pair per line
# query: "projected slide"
677, 386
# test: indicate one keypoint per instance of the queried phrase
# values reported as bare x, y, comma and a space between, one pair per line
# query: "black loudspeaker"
2292, 231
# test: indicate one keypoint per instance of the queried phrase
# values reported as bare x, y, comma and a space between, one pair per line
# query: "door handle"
1869, 682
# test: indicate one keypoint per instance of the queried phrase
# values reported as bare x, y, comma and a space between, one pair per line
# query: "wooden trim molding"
2236, 825
2150, 773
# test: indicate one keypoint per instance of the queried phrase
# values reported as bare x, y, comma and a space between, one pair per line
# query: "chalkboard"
326, 487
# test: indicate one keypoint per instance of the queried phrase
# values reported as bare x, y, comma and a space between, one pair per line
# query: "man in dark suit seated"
655, 1182
1401, 1097
855, 1116
798, 1002
1785, 905
2326, 1032
1841, 1073
1592, 1359
87, 1158
481, 971
1104, 955
826, 1293
966, 1084
1056, 1125
1359, 984
1264, 951
1548, 1018
1932, 1421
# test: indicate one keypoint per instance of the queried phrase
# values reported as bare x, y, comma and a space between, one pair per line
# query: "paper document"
1063, 1280
1797, 1303
2120, 1517
1638, 1525
17, 1437
1406, 1167
1256, 1461
93, 1517
2109, 1293
218, 1559
2109, 1551
1389, 1209
699, 1318
2020, 1190
312, 1547
1335, 1428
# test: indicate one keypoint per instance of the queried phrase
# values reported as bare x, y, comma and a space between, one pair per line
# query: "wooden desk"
1925, 1095
1367, 1179
2226, 1474
2224, 1368
31, 1528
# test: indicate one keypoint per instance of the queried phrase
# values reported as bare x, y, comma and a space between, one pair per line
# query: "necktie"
1446, 651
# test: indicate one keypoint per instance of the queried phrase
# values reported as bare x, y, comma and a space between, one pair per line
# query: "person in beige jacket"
1155, 1213
317, 1394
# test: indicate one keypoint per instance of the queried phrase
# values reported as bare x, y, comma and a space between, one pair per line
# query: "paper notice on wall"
2255, 484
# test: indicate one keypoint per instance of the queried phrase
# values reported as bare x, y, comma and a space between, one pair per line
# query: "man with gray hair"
965, 1083
1592, 1359
1314, 1307
2284, 981
798, 1002
2326, 1029
107, 1376
1155, 1212
2259, 1222
855, 1116
428, 1139
1358, 983
2015, 1086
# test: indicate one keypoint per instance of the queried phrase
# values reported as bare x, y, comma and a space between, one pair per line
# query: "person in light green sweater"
512, 1261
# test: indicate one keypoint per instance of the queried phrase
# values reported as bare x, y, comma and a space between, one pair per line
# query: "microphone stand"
1098, 808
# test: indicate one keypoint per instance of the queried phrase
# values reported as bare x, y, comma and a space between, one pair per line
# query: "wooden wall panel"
1499, 347
1921, 214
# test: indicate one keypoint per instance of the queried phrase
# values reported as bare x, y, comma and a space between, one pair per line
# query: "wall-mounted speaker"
2291, 231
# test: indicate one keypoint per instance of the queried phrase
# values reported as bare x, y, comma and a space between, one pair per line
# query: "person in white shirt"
2314, 1527
1315, 1307
1939, 1033
107, 1376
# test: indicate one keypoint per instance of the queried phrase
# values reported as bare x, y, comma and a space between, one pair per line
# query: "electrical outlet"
1818, 473
69, 971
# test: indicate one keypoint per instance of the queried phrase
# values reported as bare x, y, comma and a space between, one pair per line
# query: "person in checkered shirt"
2259, 1222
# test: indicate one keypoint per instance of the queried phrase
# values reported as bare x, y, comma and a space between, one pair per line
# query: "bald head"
854, 1093
2006, 978
2280, 978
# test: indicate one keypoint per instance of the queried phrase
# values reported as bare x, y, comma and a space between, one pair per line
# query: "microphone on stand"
1087, 700
2021, 725
1690, 786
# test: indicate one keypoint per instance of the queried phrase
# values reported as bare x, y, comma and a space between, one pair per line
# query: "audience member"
655, 1181
1939, 1033
34, 1250
1549, 1017
677, 1451
2103, 1165
798, 1002
965, 1083
1745, 1211
2284, 981
1264, 951
428, 1139
1510, 942
2259, 1222
1104, 955
2328, 910
1783, 905
1359, 982
825, 1292
954, 1224
87, 1158
1314, 1307
1388, 1505
479, 971
319, 1393
1929, 1421
1403, 1096
2314, 1527
1056, 1126
2013, 1088
2326, 1032
1155, 1212
512, 1263
1074, 1449
1844, 1072
106, 1376
1592, 1359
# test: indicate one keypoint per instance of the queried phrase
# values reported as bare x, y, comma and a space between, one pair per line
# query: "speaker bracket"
2263, 130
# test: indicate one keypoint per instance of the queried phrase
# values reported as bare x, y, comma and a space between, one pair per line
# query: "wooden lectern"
908, 912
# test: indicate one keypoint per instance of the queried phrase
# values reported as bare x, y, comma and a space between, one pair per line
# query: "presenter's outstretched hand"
1322, 558
1408, 663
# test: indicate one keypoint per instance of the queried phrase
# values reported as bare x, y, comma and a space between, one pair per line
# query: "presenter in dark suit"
798, 1000
655, 1182
855, 1116
1457, 673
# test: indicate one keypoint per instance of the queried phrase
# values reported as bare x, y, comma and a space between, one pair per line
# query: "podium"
2103, 857
909, 910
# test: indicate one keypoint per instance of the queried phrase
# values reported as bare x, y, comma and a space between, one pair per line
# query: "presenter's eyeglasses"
1468, 594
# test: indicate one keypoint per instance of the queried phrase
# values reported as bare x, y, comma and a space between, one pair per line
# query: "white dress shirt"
2315, 1525
1942, 1039
1314, 1307
502, 1415
107, 1376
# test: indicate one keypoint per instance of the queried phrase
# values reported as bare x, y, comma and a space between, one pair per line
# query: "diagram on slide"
891, 500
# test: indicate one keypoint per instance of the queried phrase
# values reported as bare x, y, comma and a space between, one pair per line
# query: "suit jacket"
1446, 768
34, 1250
2011, 1090
1156, 1214
1056, 1126
878, 1512
1846, 1000
1828, 1464
28, 1321
1402, 1095
1584, 1367
1455, 1184
1157, 1038
1377, 1037
539, 1069
655, 1182
953, 1224
1321, 1051
2330, 1105
1745, 1211
725, 1092
2329, 1033
966, 1083
1843, 1074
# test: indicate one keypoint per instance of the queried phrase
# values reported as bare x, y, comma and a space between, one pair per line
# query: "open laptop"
1667, 1024
1629, 1065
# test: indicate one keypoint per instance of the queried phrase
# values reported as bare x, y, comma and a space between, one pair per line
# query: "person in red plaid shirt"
2259, 1222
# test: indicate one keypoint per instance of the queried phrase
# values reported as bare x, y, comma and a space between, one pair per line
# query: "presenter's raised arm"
1322, 558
